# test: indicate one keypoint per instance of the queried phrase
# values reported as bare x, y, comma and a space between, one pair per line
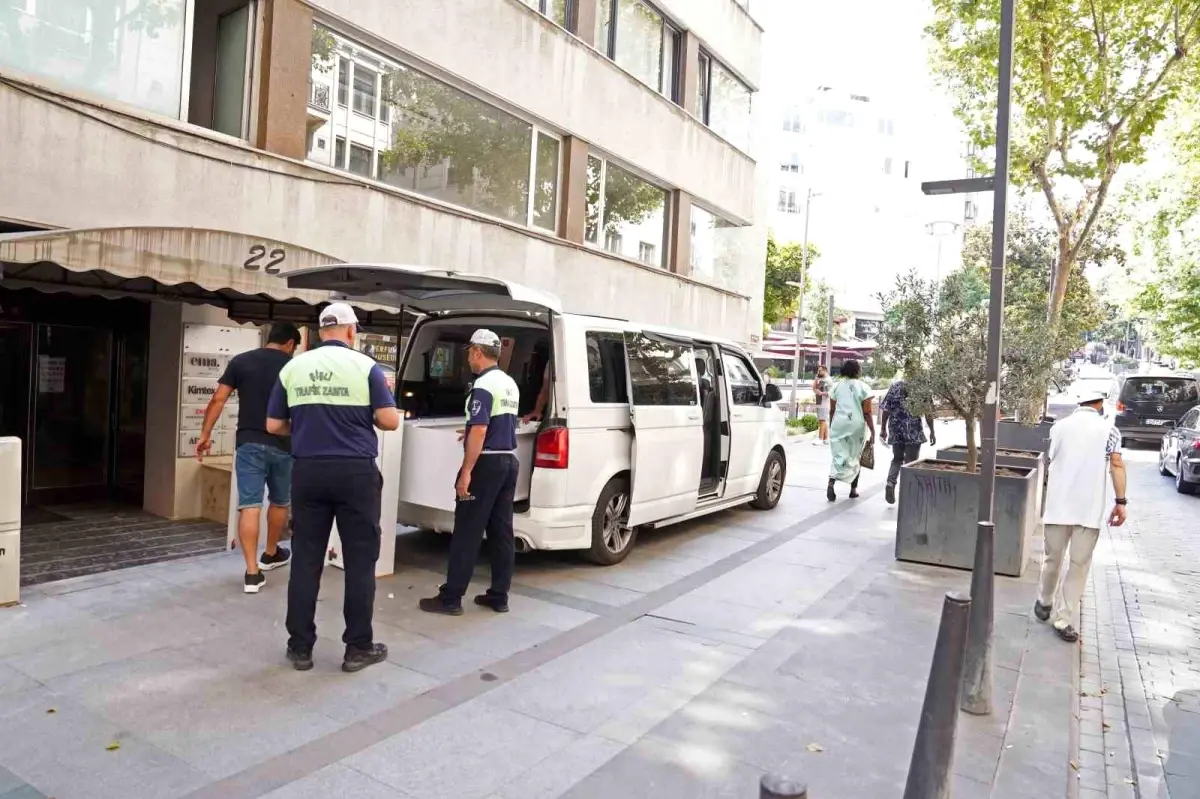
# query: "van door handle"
694, 416
741, 415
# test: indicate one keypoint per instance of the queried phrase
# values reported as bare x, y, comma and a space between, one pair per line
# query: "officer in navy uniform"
331, 399
486, 483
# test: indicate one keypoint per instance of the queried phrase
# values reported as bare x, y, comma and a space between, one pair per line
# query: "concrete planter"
938, 509
1020, 458
1010, 435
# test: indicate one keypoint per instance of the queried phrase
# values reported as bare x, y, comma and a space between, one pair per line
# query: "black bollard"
977, 674
772, 786
929, 773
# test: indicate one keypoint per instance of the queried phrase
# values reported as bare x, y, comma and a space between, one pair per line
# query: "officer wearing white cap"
1084, 454
331, 399
486, 483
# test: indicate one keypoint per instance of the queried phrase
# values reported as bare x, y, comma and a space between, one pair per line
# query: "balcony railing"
318, 96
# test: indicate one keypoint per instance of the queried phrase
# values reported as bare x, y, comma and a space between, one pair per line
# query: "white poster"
52, 374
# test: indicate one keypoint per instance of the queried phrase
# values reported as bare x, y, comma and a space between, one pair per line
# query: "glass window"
339, 153
343, 81
1160, 389
648, 253
112, 48
639, 45
782, 199
661, 371
385, 91
360, 161
604, 26
729, 108
744, 385
631, 211
456, 148
703, 81
556, 10
545, 183
670, 63
364, 90
606, 367
887, 165
717, 247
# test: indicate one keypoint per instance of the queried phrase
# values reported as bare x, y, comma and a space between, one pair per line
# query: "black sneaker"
1042, 612
436, 604
889, 493
254, 583
494, 601
1067, 633
358, 659
282, 557
301, 661
830, 494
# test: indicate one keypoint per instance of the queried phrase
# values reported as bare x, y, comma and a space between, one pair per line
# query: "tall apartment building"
166, 162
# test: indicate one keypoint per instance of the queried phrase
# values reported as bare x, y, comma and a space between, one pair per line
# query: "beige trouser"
1065, 595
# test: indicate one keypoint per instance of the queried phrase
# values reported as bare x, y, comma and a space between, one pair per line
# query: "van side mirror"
772, 394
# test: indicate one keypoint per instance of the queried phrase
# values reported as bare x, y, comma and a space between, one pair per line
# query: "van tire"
770, 485
613, 501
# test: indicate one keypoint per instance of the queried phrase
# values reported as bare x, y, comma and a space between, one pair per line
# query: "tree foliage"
1092, 80
785, 264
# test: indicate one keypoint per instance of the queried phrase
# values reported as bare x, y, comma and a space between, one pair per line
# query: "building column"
689, 71
572, 211
680, 234
583, 21
283, 75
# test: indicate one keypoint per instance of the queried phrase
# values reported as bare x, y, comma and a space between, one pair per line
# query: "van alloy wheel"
616, 533
774, 481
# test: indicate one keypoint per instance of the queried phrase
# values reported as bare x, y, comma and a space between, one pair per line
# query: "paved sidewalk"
786, 641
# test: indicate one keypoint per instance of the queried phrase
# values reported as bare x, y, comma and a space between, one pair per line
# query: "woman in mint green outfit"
850, 419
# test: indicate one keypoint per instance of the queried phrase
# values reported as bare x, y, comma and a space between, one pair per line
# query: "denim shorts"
259, 465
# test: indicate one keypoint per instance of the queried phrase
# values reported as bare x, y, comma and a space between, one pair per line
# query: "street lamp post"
797, 360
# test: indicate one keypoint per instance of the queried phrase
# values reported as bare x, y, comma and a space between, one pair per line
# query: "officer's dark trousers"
324, 489
493, 483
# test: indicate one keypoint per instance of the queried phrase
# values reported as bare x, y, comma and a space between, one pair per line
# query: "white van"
644, 426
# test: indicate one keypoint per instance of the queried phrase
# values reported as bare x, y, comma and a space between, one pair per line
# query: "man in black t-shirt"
262, 459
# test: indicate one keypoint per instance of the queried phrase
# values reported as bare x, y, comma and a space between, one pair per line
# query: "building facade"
176, 158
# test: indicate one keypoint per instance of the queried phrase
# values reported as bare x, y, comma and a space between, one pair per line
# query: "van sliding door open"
668, 437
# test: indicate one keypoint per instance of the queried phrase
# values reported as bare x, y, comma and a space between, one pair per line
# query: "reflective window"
703, 79
716, 247
361, 161
343, 80
545, 183
635, 35
100, 46
556, 10
744, 385
606, 367
365, 81
661, 371
729, 108
632, 213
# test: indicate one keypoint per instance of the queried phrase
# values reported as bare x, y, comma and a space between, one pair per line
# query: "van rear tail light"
1196, 445
553, 449
1120, 406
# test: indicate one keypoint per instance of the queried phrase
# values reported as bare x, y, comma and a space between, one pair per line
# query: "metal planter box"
1011, 435
938, 509
1020, 458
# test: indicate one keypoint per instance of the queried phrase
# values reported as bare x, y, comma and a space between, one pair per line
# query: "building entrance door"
14, 380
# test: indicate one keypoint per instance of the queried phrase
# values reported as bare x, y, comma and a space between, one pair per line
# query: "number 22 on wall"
258, 252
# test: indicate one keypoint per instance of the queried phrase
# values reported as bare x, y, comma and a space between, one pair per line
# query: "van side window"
744, 384
606, 367
663, 372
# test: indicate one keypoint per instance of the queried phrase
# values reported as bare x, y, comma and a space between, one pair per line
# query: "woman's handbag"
867, 458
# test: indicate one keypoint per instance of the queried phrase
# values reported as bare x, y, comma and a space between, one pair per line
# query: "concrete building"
166, 164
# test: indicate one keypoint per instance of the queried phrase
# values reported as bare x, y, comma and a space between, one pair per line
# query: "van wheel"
611, 538
770, 487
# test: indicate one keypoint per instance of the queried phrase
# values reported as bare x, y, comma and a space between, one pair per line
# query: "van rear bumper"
541, 528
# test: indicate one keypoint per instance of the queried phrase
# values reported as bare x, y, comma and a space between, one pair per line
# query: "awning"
245, 274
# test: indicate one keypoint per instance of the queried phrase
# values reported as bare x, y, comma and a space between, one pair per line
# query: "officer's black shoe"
496, 602
439, 604
1042, 612
301, 661
358, 659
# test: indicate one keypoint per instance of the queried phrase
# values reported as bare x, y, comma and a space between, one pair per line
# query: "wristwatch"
1122, 501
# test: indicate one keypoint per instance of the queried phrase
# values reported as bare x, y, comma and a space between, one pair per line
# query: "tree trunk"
1030, 411
972, 447
1062, 271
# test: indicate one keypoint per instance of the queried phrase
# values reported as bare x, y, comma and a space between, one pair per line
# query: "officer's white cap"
338, 313
1090, 396
485, 338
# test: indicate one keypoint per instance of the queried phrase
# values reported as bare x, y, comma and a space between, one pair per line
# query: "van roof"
653, 328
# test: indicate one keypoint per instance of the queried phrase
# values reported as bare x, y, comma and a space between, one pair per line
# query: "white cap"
485, 338
1089, 396
338, 313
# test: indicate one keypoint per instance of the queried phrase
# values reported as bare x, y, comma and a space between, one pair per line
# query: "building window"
441, 142
716, 246
787, 202
723, 102
887, 165
362, 161
837, 118
556, 10
627, 209
98, 48
887, 127
343, 81
793, 121
792, 165
339, 153
635, 35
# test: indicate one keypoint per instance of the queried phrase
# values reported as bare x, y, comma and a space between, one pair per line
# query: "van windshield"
437, 377
1173, 390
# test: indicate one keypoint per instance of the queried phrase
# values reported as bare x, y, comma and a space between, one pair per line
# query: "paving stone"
336, 781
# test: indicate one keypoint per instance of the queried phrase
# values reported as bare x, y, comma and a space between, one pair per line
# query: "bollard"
929, 773
977, 671
772, 786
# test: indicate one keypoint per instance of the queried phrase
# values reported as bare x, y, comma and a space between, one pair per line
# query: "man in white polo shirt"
1085, 449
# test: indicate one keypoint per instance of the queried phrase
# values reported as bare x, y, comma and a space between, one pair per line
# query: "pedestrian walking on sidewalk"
851, 418
820, 388
331, 399
1084, 455
905, 434
486, 483
261, 460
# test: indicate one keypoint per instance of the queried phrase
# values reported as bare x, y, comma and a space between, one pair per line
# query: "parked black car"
1146, 407
1179, 453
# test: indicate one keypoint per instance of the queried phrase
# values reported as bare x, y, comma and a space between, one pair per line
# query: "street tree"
1092, 80
785, 264
816, 312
